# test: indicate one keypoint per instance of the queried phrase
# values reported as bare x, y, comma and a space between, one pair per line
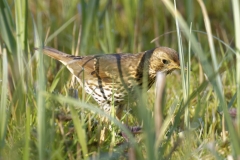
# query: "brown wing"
108, 68
111, 77
117, 68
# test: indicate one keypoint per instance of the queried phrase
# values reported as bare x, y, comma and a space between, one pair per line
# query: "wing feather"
109, 69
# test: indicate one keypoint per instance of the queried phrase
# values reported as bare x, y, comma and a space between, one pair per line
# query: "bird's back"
106, 77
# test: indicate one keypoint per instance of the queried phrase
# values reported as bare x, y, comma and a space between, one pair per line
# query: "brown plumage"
111, 78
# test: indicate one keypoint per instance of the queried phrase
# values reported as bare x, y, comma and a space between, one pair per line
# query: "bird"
112, 78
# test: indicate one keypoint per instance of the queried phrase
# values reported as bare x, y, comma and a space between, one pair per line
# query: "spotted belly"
105, 95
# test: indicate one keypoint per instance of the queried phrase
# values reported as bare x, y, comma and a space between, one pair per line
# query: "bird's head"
163, 59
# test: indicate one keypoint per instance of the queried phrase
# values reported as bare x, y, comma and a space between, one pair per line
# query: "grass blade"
6, 24
50, 38
78, 125
183, 75
4, 92
41, 111
236, 15
88, 15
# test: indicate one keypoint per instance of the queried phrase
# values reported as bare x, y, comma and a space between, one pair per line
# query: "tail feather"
70, 61
63, 57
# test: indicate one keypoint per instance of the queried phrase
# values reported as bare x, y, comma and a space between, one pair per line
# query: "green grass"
38, 93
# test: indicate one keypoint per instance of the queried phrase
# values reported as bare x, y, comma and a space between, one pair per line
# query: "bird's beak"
172, 68
176, 67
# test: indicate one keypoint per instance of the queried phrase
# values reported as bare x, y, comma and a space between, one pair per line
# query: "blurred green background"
36, 90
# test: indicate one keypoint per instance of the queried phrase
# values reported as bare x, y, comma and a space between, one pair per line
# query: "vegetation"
44, 114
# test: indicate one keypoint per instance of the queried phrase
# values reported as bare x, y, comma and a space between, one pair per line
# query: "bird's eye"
165, 61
